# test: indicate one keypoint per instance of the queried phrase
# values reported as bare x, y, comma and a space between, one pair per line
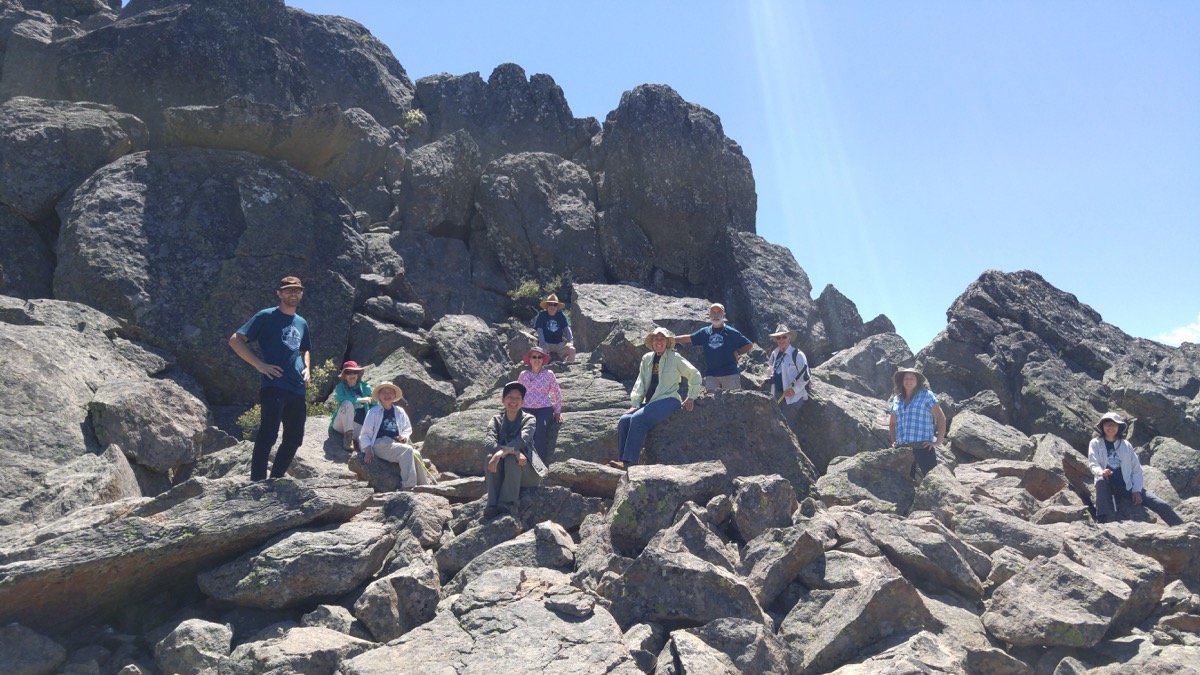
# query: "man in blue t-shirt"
554, 331
282, 337
723, 344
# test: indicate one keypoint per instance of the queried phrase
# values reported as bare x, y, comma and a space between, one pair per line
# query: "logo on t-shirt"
291, 337
716, 341
552, 325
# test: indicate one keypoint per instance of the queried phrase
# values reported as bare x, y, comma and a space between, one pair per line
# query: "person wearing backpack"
791, 382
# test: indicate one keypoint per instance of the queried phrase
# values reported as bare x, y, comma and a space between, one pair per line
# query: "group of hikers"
516, 449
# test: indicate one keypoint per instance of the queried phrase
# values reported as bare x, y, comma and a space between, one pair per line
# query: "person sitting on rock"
511, 462
723, 344
543, 398
915, 420
655, 395
791, 382
1118, 473
352, 397
554, 330
385, 434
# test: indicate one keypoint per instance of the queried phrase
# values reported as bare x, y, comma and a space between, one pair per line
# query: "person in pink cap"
352, 398
543, 398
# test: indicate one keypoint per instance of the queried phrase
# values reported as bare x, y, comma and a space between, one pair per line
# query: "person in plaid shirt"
915, 420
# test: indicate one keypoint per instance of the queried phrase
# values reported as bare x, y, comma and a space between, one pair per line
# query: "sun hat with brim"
386, 385
290, 282
898, 378
551, 299
1122, 425
350, 367
660, 331
782, 330
536, 350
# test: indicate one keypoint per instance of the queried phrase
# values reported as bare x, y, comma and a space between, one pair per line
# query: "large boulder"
174, 242
194, 645
66, 580
988, 529
596, 309
546, 545
744, 430
984, 438
1180, 463
867, 367
156, 422
26, 262
671, 173
25, 651
472, 353
518, 620
646, 501
840, 423
437, 185
928, 553
304, 649
879, 477
540, 214
725, 646
508, 113
397, 603
49, 147
441, 271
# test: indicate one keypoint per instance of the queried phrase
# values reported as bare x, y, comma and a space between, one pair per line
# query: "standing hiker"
791, 382
655, 395
915, 419
554, 330
1118, 473
282, 337
723, 344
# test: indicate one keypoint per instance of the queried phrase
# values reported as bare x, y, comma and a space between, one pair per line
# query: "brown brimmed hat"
1122, 425
387, 385
659, 330
536, 350
898, 378
781, 330
551, 299
290, 282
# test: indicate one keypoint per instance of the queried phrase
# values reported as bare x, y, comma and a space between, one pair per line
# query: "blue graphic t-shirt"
552, 327
388, 426
282, 339
720, 347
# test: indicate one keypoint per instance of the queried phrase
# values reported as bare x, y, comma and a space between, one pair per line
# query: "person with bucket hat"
385, 434
1118, 473
284, 368
512, 463
543, 398
915, 420
352, 396
791, 382
554, 330
655, 395
723, 344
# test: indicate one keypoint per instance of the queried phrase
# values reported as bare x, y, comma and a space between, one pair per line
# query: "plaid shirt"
914, 422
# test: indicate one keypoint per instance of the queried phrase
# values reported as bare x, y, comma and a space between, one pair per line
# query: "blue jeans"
633, 427
279, 406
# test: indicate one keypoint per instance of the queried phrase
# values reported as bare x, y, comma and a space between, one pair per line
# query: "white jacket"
792, 372
1131, 467
374, 418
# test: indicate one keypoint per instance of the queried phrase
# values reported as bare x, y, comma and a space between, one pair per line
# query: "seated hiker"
511, 461
1118, 473
791, 382
385, 434
554, 330
915, 419
543, 398
723, 345
655, 395
353, 397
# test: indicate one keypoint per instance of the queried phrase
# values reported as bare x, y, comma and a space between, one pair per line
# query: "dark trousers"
278, 406
1108, 490
541, 433
923, 458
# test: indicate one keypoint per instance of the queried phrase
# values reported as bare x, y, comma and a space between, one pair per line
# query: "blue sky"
901, 149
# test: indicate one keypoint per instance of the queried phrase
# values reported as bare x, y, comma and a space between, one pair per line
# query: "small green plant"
530, 292
319, 385
414, 119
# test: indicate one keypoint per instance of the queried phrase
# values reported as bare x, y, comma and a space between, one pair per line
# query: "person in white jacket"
385, 434
1118, 473
791, 382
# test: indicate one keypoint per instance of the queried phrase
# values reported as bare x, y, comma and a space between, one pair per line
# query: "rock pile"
164, 163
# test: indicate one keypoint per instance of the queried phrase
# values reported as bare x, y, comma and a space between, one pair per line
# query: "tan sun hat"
387, 385
898, 378
659, 330
551, 299
781, 330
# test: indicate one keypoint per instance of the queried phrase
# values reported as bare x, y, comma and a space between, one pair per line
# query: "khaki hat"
1122, 425
551, 299
659, 330
386, 385
898, 378
290, 282
782, 329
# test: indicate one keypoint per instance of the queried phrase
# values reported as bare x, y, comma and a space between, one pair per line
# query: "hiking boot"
617, 464
348, 441
491, 511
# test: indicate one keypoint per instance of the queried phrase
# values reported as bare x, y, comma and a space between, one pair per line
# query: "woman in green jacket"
655, 395
352, 397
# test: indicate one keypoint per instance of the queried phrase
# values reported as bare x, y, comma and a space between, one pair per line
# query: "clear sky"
901, 148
